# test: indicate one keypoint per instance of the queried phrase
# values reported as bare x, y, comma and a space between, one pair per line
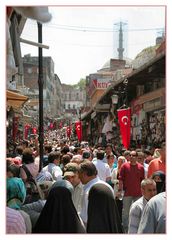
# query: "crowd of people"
85, 189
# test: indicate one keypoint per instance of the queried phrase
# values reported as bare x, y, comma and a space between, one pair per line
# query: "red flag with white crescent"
78, 126
68, 131
34, 130
124, 119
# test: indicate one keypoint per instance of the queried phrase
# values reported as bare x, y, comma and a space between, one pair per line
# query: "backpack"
32, 194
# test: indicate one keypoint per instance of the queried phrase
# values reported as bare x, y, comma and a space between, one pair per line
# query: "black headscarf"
59, 214
103, 216
160, 186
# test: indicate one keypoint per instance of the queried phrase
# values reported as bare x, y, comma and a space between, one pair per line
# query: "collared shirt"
87, 188
135, 214
77, 196
103, 169
154, 215
14, 222
55, 171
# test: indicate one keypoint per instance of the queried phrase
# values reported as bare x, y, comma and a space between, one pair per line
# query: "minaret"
120, 49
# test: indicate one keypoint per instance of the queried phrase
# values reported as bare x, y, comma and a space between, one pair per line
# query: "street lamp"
114, 98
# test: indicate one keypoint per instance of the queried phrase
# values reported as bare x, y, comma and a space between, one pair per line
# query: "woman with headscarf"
103, 216
59, 214
159, 178
16, 192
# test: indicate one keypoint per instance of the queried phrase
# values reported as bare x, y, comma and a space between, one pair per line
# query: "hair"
65, 150
147, 181
27, 156
109, 145
65, 159
13, 168
100, 155
53, 155
123, 158
127, 152
88, 167
76, 150
109, 156
48, 148
19, 150
141, 154
147, 152
71, 167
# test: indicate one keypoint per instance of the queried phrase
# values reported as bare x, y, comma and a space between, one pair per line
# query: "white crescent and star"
124, 120
78, 127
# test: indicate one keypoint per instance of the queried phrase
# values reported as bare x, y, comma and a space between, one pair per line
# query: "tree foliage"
81, 84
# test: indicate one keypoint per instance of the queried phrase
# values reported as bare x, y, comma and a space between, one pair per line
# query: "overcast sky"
81, 39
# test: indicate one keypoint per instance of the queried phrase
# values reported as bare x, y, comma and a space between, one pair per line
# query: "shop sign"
153, 104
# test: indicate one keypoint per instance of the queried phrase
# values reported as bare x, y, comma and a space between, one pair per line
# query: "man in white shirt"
53, 166
103, 169
148, 188
88, 177
71, 173
154, 215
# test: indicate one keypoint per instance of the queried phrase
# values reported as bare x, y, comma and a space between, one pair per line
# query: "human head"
47, 148
87, 171
71, 173
27, 156
54, 157
148, 188
63, 183
65, 159
133, 157
108, 149
100, 154
86, 155
13, 170
159, 178
127, 155
141, 158
76, 159
121, 160
110, 159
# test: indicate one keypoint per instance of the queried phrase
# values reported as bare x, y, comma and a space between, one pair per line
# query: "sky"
81, 39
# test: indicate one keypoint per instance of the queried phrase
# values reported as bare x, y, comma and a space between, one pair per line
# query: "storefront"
148, 118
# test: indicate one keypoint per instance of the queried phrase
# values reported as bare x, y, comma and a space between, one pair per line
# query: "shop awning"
15, 100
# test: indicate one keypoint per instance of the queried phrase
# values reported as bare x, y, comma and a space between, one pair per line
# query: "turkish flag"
34, 130
26, 130
68, 131
78, 126
124, 119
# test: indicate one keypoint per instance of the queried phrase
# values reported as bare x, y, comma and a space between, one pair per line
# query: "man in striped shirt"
148, 188
14, 222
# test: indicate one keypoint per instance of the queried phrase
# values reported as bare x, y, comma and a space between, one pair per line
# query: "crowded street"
86, 155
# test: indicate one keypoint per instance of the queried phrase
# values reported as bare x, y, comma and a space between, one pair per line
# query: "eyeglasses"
133, 155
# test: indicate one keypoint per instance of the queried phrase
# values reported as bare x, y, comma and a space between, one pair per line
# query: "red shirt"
131, 176
156, 165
